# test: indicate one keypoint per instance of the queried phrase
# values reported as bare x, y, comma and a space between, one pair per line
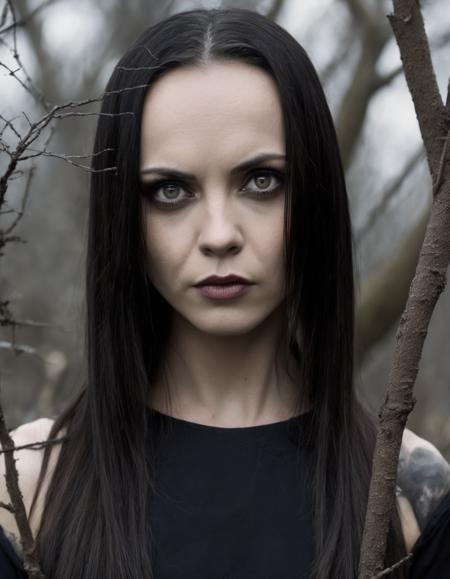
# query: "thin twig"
23, 203
31, 563
35, 445
390, 192
25, 21
7, 506
389, 570
17, 348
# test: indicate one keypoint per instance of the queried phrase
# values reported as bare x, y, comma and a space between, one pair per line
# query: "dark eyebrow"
254, 161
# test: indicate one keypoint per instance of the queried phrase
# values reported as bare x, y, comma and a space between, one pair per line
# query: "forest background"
69, 49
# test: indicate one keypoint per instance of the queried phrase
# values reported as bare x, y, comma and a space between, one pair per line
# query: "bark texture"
428, 282
31, 563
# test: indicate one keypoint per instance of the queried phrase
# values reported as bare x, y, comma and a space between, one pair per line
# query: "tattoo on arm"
423, 475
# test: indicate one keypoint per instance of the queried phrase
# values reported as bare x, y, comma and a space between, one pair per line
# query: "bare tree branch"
387, 196
24, 21
376, 315
27, 83
374, 34
35, 445
389, 570
68, 159
430, 110
23, 139
359, 10
275, 9
19, 214
428, 283
17, 348
380, 81
337, 59
31, 563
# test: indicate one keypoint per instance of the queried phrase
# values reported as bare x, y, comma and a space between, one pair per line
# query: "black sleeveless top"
235, 503
232, 503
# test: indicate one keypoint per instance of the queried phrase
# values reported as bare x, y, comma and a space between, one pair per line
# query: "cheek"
271, 245
165, 251
154, 242
273, 256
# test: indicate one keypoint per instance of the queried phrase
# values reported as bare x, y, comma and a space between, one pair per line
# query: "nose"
220, 231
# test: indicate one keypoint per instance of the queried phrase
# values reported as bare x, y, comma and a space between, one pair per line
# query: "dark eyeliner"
149, 189
277, 173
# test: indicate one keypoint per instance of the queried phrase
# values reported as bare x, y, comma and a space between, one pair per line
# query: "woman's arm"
410, 526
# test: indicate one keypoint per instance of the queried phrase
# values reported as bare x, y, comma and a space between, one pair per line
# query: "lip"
230, 279
224, 291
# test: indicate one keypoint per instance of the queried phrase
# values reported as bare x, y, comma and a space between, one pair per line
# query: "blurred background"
69, 48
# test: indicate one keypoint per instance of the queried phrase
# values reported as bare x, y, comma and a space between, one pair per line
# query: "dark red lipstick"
223, 287
227, 279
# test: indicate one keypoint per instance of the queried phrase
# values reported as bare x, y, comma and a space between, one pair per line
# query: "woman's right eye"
164, 192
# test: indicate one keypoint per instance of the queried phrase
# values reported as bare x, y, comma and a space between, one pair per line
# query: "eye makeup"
153, 191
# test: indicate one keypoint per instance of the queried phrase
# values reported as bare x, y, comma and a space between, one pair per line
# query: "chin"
227, 323
224, 331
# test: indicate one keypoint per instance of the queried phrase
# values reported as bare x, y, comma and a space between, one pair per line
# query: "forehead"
223, 108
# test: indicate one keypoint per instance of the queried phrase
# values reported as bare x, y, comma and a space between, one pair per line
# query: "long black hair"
96, 520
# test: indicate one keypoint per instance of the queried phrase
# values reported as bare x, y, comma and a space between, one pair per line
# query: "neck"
223, 380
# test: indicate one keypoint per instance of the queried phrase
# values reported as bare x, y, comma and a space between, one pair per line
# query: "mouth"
227, 280
224, 291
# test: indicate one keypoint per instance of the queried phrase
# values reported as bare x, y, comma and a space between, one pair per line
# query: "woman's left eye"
264, 183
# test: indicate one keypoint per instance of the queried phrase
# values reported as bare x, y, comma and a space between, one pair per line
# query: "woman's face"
219, 218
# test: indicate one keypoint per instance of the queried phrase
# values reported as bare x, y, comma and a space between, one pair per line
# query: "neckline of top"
254, 428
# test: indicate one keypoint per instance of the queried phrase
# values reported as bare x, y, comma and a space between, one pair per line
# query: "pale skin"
220, 365
221, 358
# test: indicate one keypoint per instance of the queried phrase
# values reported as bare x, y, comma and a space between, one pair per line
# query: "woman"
218, 433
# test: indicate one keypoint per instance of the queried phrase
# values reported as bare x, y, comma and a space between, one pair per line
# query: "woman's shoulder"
28, 464
423, 475
423, 480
